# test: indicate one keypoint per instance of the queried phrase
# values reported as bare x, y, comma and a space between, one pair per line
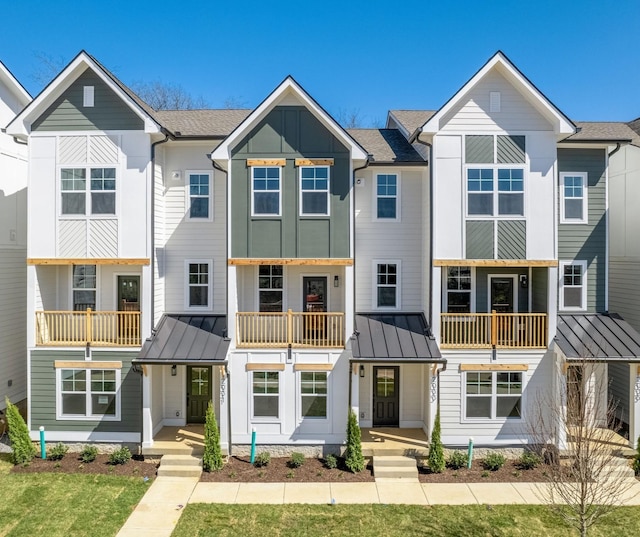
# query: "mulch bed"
509, 473
71, 464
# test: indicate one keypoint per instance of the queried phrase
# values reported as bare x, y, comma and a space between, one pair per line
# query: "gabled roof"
14, 86
386, 146
603, 131
409, 121
21, 124
287, 88
562, 125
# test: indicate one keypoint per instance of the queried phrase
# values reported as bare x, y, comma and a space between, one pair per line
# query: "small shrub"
485, 474
212, 458
262, 459
57, 465
290, 474
120, 456
528, 461
262, 473
297, 460
353, 458
57, 452
516, 473
436, 449
457, 460
22, 448
89, 454
331, 462
493, 462
636, 459
233, 474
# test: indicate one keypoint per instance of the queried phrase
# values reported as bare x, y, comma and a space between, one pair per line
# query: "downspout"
21, 142
618, 146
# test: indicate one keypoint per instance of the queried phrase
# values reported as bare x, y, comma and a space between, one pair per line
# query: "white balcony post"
634, 404
355, 390
436, 304
147, 420
32, 281
349, 306
232, 302
146, 315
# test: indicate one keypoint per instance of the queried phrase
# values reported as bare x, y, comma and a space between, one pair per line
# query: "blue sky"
351, 55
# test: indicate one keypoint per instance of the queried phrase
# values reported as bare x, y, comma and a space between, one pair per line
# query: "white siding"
402, 240
159, 237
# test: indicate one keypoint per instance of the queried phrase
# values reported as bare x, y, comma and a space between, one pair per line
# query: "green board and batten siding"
587, 241
290, 132
43, 393
109, 112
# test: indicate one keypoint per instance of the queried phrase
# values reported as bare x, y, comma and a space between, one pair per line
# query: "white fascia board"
561, 124
11, 82
21, 124
289, 86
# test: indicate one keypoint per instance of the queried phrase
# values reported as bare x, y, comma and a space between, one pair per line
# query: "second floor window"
199, 196
314, 190
265, 189
573, 288
270, 280
573, 195
386, 285
84, 284
484, 199
459, 289
97, 196
387, 197
198, 285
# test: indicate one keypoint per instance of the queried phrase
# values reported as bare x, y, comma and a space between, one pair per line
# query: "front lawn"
204, 520
65, 505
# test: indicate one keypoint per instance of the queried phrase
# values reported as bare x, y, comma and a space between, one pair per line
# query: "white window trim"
585, 281
495, 192
261, 215
71, 287
374, 211
374, 273
88, 96
585, 198
312, 419
327, 191
266, 419
88, 417
258, 288
445, 291
187, 191
187, 307
494, 396
87, 191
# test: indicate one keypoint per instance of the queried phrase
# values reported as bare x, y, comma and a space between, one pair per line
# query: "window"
313, 391
88, 93
573, 196
459, 289
493, 395
387, 197
88, 393
99, 199
198, 288
387, 285
265, 188
266, 394
270, 284
84, 284
199, 196
314, 190
573, 285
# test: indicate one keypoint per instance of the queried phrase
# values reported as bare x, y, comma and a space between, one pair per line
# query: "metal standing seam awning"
597, 337
187, 339
394, 337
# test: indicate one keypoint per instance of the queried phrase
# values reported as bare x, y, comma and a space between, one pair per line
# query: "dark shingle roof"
605, 337
412, 120
603, 131
180, 339
393, 337
386, 145
216, 123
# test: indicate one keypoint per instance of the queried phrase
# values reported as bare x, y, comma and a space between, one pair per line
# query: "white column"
32, 281
349, 307
560, 391
223, 413
433, 382
436, 303
552, 303
355, 390
147, 422
232, 302
634, 404
146, 315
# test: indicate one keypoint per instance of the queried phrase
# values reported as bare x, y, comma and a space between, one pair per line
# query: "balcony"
314, 329
79, 328
488, 330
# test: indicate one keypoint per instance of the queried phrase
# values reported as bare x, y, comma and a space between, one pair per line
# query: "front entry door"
502, 294
386, 396
128, 293
198, 392
314, 292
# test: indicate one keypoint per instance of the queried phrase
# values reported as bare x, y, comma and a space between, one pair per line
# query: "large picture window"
493, 395
314, 190
313, 393
573, 198
84, 284
270, 287
266, 394
266, 190
88, 393
97, 197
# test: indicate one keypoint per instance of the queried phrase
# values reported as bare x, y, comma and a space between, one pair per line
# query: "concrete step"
395, 473
180, 460
179, 471
397, 461
158, 451
394, 468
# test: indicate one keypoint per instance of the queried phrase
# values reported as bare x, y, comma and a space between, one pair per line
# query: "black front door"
198, 392
502, 295
314, 292
128, 293
386, 396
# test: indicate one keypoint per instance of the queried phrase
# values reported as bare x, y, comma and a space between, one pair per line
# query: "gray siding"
482, 287
510, 149
479, 235
587, 241
624, 289
512, 239
43, 392
478, 149
290, 132
619, 390
539, 286
109, 112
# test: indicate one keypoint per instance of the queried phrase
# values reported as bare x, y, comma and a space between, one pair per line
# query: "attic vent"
494, 101
88, 96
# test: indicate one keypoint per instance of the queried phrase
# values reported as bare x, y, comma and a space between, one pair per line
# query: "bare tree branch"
47, 68
164, 96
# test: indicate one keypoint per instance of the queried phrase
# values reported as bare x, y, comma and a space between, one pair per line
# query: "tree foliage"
22, 448
435, 457
353, 458
212, 458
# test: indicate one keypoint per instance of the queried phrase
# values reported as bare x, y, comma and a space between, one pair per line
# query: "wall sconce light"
336, 281
361, 371
523, 281
174, 370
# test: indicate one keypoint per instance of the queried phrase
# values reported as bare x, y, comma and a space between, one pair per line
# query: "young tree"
22, 448
353, 458
212, 458
435, 457
582, 483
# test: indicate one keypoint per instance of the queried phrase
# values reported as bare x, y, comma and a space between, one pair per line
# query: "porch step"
180, 466
395, 468
160, 450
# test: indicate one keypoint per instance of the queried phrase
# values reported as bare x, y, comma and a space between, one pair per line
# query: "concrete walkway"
159, 510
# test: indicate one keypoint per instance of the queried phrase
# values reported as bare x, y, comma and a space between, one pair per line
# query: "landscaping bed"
509, 473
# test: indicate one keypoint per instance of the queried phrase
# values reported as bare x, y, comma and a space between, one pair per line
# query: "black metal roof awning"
394, 337
597, 337
187, 339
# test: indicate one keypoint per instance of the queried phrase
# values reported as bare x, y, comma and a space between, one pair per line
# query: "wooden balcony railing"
102, 328
318, 329
487, 330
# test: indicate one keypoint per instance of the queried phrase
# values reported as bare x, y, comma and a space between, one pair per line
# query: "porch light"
336, 281
174, 370
361, 371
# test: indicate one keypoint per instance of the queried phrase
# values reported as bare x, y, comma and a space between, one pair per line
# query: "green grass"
65, 505
203, 520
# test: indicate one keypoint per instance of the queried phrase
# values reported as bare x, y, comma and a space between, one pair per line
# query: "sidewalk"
159, 510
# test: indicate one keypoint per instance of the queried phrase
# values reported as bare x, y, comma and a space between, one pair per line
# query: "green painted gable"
109, 112
290, 132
